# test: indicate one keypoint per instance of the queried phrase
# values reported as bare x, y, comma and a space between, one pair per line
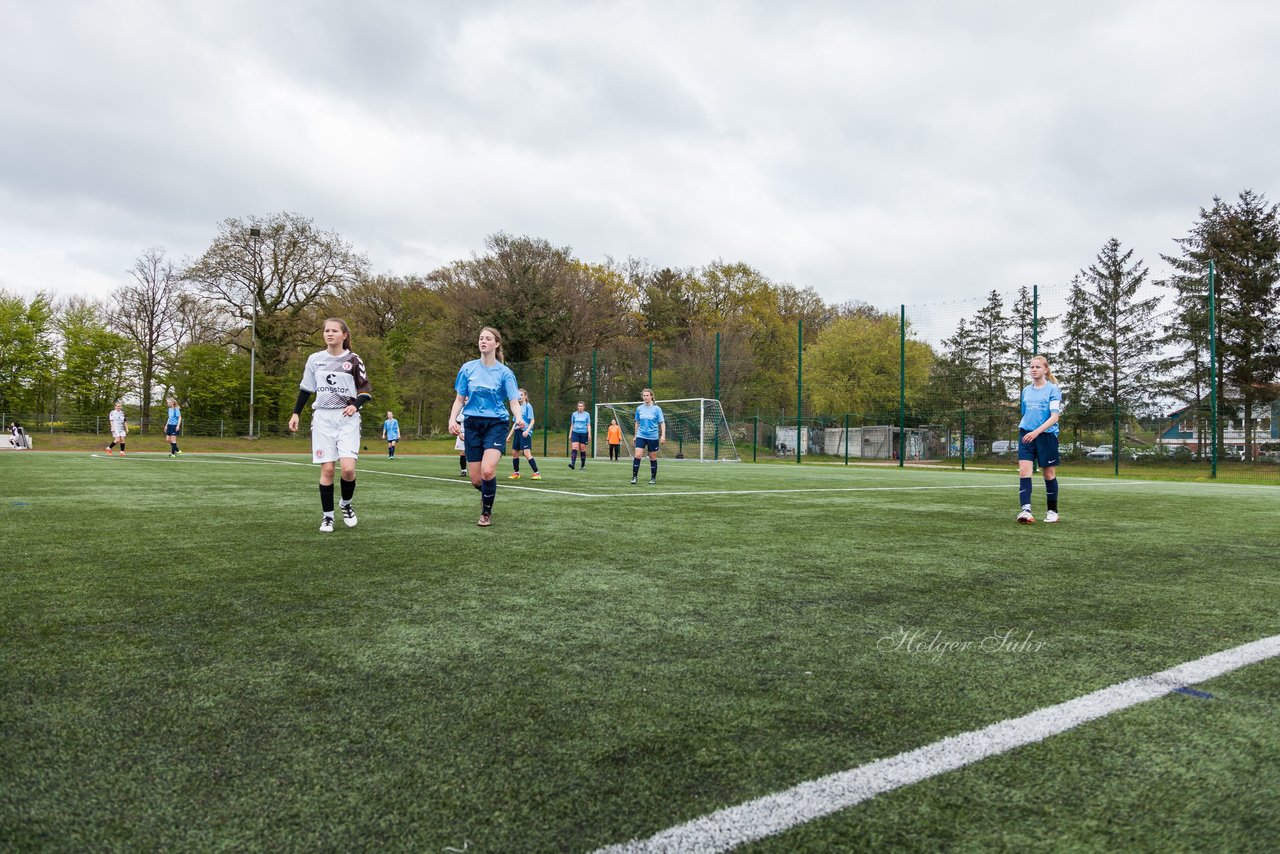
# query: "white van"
1000, 447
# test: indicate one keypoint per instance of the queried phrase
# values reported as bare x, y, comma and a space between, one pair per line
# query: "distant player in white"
337, 378
119, 428
460, 445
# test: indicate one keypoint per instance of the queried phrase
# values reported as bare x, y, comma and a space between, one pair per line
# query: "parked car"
1102, 452
1001, 447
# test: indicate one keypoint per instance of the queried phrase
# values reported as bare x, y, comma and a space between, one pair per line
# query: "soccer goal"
696, 429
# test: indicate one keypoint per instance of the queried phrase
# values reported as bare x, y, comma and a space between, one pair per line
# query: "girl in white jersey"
119, 428
337, 378
1041, 406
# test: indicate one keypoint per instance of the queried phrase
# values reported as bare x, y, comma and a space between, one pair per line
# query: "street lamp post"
254, 233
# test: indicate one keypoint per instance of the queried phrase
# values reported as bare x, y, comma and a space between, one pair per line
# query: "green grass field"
186, 663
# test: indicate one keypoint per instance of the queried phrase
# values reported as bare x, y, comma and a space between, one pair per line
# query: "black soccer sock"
1024, 492
122, 447
326, 498
635, 466
488, 491
1051, 493
573, 457
348, 490
653, 469
515, 464
111, 447
533, 464
462, 462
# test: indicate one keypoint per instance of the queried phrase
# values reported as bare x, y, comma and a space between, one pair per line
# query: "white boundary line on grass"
772, 814
653, 493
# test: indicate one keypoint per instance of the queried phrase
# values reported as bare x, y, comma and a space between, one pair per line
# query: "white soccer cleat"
1025, 518
349, 515
326, 524
1051, 516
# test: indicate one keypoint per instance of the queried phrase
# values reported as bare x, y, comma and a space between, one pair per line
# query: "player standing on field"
1038, 438
615, 440
391, 432
337, 378
119, 427
522, 440
173, 425
579, 434
485, 388
651, 432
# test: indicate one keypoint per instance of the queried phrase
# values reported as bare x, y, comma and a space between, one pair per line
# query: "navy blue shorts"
647, 445
171, 429
1042, 450
580, 438
484, 434
521, 442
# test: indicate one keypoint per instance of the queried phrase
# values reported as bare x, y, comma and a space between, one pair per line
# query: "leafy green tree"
96, 362
854, 366
291, 273
1125, 326
28, 358
1078, 365
1243, 239
211, 381
146, 312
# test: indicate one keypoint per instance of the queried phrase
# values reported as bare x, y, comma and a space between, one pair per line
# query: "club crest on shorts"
319, 454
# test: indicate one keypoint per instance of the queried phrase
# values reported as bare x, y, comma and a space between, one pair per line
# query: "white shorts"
460, 445
118, 436
334, 435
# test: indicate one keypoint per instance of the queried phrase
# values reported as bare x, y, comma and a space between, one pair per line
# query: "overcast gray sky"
886, 152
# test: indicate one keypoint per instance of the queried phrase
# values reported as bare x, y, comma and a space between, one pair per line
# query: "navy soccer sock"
488, 491
1024, 492
533, 464
515, 464
1051, 492
653, 469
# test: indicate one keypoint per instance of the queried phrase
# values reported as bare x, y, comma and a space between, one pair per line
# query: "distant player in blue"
391, 432
485, 389
651, 432
522, 441
1038, 438
173, 426
579, 434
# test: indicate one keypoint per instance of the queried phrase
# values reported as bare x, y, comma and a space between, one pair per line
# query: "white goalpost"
696, 429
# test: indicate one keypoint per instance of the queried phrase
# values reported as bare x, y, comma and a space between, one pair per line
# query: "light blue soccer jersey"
175, 415
648, 417
487, 390
392, 428
1038, 404
581, 421
526, 412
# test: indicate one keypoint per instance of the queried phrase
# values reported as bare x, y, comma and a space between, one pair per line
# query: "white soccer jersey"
335, 380
116, 418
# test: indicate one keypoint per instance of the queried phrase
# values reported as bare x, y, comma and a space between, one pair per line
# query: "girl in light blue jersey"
522, 441
485, 389
391, 432
173, 426
651, 432
579, 434
1041, 406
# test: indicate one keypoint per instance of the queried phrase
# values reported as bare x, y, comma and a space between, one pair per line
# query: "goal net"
696, 429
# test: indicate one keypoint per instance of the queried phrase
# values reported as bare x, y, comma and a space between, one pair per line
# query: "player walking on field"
119, 428
1041, 407
391, 432
579, 434
173, 425
337, 378
485, 389
651, 432
522, 440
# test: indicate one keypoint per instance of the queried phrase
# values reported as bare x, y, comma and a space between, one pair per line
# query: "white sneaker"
1051, 516
349, 515
326, 524
1025, 518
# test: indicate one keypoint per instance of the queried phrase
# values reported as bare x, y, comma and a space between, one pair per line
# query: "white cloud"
883, 152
